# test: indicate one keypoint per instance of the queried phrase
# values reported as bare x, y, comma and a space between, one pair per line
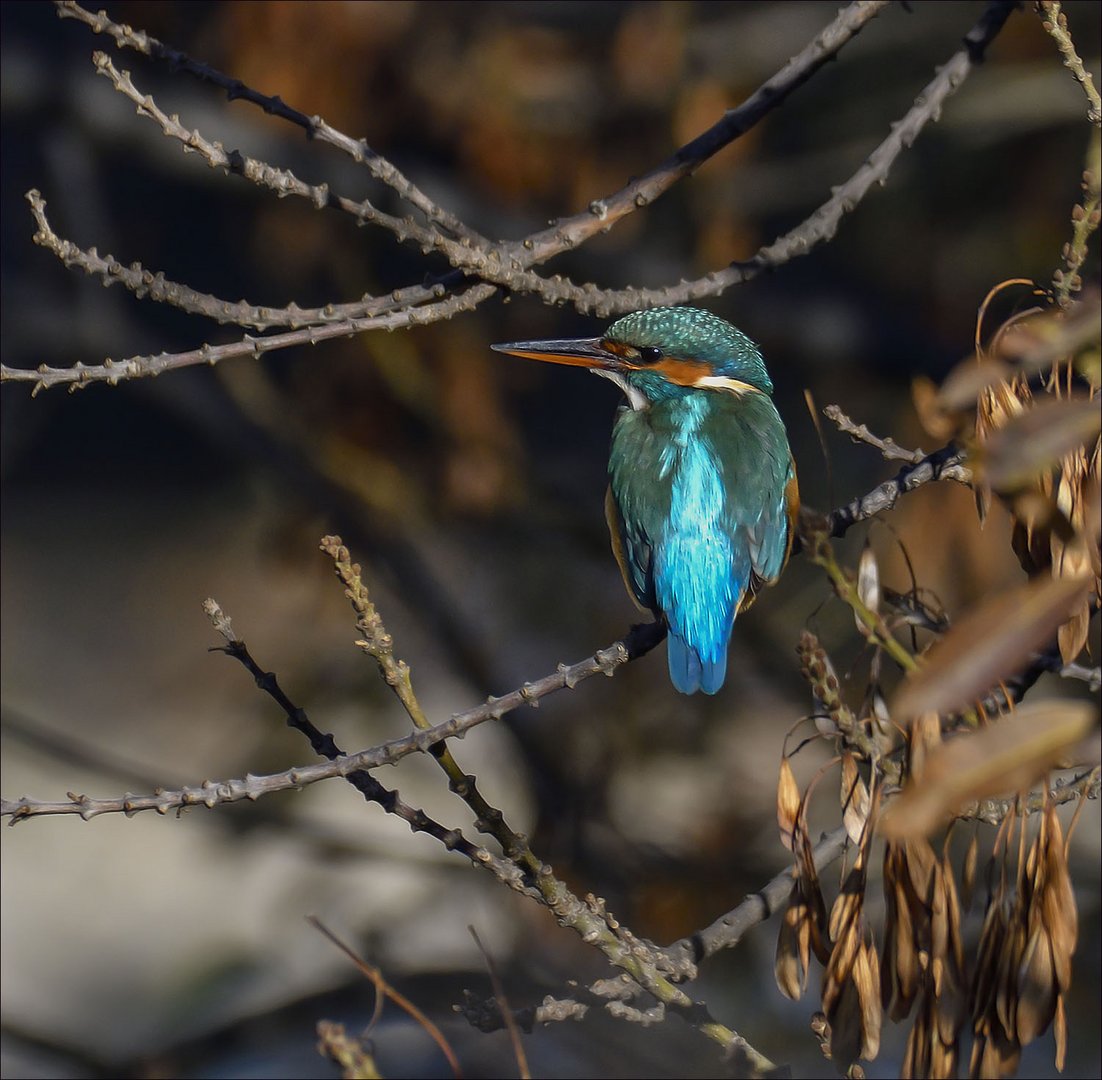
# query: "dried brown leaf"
920, 862
1037, 988
810, 889
1006, 978
1059, 914
925, 736
840, 965
989, 643
968, 379
968, 872
1072, 635
1060, 1032
941, 423
916, 1060
1006, 757
790, 963
899, 976
866, 978
868, 585
1013, 456
1030, 345
900, 985
846, 911
846, 1029
952, 909
1000, 1055
855, 799
788, 804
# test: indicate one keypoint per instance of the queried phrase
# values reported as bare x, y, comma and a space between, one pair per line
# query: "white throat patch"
636, 399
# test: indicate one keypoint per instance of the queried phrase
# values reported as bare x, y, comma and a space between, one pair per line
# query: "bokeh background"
470, 486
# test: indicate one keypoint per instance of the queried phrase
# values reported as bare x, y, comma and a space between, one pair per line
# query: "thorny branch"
1056, 24
213, 793
946, 463
482, 267
325, 746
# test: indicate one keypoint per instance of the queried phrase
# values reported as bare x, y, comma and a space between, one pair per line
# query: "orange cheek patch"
681, 372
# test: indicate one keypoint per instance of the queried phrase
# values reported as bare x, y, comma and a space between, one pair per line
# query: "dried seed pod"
855, 799
788, 804
793, 945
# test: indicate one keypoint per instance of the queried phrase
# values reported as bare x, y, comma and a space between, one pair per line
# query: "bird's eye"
650, 355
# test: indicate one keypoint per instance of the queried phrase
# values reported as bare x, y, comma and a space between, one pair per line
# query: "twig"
113, 372
384, 989
601, 214
508, 265
992, 811
639, 641
820, 226
944, 464
817, 546
684, 955
325, 746
587, 917
729, 929
1055, 23
142, 283
503, 1005
283, 182
138, 40
378, 644
889, 448
1091, 676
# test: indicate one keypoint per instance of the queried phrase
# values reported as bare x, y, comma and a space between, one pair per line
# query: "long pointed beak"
581, 352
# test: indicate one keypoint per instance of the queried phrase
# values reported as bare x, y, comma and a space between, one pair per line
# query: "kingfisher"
702, 495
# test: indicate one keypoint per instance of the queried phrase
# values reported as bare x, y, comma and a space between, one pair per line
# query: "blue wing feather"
697, 508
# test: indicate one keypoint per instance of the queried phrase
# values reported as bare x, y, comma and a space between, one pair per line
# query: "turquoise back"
699, 480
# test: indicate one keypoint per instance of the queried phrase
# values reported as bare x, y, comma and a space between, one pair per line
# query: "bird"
703, 496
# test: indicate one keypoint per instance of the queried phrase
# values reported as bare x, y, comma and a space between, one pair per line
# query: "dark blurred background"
470, 487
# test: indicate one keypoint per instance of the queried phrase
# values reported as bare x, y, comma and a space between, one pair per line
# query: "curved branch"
499, 264
138, 40
568, 233
820, 227
944, 464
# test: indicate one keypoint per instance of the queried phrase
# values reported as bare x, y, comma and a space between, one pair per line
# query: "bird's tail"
689, 672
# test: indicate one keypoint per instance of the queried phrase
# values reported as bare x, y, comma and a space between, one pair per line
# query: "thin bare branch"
144, 283
499, 264
325, 746
1055, 23
280, 181
383, 989
114, 372
944, 464
503, 1005
214, 793
379, 644
729, 929
992, 811
601, 214
889, 449
821, 225
358, 149
1091, 676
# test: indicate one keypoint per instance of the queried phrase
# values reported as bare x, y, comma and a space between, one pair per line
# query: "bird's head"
661, 353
